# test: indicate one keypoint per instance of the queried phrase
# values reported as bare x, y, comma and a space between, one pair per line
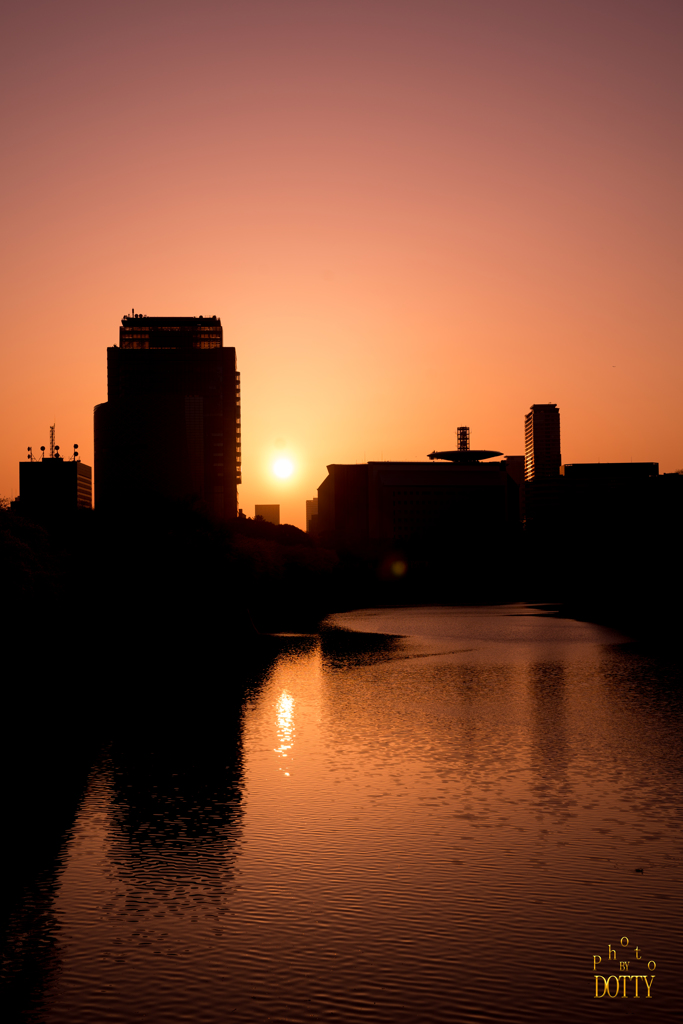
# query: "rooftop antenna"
74, 457
52, 441
463, 439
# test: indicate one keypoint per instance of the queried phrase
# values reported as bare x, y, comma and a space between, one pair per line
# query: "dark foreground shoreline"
73, 702
116, 628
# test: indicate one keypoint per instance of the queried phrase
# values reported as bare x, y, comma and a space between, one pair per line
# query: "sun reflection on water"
285, 725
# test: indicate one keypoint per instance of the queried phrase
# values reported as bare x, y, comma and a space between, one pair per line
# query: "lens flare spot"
398, 568
283, 468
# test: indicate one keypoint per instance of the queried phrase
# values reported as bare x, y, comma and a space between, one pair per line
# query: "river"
416, 815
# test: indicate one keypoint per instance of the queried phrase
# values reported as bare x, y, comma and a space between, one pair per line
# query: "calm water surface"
423, 815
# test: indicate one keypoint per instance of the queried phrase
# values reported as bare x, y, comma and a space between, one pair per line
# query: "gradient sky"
409, 215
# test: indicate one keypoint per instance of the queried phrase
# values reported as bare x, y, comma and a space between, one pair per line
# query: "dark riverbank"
163, 569
167, 573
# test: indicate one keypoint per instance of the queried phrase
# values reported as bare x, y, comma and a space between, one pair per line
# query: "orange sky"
408, 215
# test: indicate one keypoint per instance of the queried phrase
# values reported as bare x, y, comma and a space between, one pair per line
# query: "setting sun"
283, 468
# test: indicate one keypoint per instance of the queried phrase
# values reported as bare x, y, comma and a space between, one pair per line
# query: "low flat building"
614, 493
402, 502
608, 473
269, 513
53, 486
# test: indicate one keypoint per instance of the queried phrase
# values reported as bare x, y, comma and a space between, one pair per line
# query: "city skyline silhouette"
341, 664
407, 220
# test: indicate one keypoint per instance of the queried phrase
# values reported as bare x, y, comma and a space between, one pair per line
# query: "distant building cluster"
468, 495
171, 429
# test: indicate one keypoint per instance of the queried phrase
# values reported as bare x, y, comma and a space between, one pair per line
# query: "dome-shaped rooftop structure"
464, 453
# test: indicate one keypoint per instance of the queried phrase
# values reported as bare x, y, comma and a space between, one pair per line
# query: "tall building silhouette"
542, 442
171, 425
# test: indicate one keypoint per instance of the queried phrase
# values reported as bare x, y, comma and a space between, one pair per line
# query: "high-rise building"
542, 442
171, 425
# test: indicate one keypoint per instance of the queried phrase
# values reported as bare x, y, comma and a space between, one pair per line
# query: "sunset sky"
408, 214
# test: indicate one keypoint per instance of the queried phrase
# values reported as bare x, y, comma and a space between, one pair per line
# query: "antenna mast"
463, 439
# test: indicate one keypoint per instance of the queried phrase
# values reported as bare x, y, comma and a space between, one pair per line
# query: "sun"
283, 468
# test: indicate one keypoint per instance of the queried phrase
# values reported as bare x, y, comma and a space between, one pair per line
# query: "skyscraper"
171, 425
542, 442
